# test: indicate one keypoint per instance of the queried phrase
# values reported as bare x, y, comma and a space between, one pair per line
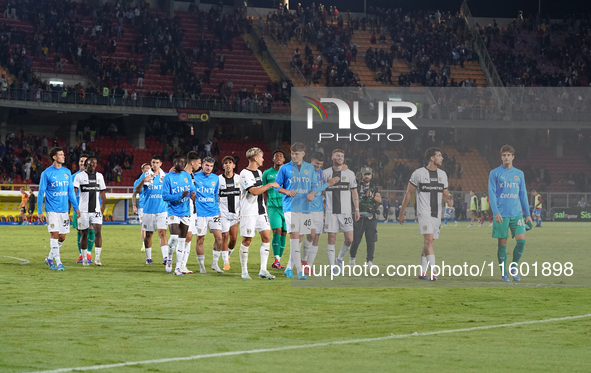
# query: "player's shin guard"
502, 255
330, 253
295, 254
312, 255
186, 253
54, 252
306, 250
180, 252
276, 245
172, 243
518, 250
78, 241
91, 238
244, 258
344, 250
264, 255
282, 241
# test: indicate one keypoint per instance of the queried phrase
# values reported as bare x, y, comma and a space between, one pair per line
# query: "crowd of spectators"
536, 51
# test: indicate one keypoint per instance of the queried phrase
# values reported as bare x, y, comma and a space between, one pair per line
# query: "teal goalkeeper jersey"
507, 192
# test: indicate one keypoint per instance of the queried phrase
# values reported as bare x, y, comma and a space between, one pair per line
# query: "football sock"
295, 254
264, 255
424, 265
225, 257
445, 221
201, 260
53, 247
431, 263
79, 241
216, 258
172, 243
180, 252
330, 253
244, 258
276, 242
148, 253
84, 253
312, 255
186, 253
307, 248
230, 251
489, 219
518, 250
282, 241
97, 253
502, 255
91, 237
164, 250
59, 244
344, 250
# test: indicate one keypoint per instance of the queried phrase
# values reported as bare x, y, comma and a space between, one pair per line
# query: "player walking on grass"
508, 200
193, 165
229, 208
484, 206
138, 204
91, 236
537, 214
91, 185
338, 216
431, 185
253, 214
178, 190
448, 215
56, 189
23, 206
274, 201
154, 208
207, 187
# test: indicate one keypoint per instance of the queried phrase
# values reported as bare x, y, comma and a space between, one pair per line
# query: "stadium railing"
93, 99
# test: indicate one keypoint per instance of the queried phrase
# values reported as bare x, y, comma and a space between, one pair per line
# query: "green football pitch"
130, 317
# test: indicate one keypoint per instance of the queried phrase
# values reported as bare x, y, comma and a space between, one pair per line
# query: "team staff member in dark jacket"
369, 200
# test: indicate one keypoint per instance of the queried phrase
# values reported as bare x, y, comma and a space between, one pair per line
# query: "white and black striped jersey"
251, 205
229, 196
89, 186
430, 186
338, 196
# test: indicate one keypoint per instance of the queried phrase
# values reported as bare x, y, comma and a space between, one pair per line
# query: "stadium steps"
270, 70
361, 38
476, 169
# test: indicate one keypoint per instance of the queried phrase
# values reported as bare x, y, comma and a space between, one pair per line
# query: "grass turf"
127, 311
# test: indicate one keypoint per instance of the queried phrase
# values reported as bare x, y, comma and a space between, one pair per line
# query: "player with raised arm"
137, 201
253, 213
91, 236
155, 209
430, 182
229, 208
178, 190
508, 200
91, 185
193, 165
537, 213
207, 187
274, 201
56, 188
338, 216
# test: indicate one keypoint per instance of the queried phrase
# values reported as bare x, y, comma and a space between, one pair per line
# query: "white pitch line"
310, 345
24, 261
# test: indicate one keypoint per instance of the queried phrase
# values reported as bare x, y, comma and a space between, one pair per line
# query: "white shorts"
335, 223
318, 221
228, 222
202, 223
153, 222
59, 222
186, 220
298, 222
87, 218
248, 224
429, 225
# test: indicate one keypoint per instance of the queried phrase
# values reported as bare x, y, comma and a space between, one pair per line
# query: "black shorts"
23, 210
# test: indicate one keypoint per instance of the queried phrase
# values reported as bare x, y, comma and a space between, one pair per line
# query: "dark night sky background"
479, 8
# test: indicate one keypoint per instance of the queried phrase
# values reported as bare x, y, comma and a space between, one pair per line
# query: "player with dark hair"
430, 182
56, 189
229, 200
274, 201
137, 201
508, 200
